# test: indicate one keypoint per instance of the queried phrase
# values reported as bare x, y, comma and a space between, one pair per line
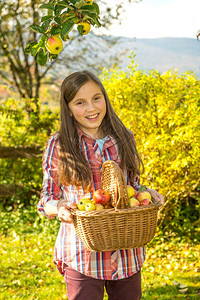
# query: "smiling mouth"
92, 117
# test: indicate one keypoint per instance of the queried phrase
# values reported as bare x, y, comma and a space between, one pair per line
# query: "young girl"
90, 133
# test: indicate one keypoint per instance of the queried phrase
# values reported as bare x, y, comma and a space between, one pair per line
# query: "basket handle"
113, 182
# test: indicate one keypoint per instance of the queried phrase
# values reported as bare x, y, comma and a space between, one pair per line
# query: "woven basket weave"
121, 227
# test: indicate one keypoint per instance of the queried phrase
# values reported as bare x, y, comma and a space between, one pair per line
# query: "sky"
159, 18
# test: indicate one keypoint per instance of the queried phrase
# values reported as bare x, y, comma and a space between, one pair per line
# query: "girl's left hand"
156, 195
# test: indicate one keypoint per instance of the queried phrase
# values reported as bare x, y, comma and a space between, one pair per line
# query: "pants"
81, 287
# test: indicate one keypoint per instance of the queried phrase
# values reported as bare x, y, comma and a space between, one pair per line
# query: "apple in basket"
143, 195
82, 203
101, 197
145, 202
131, 191
133, 202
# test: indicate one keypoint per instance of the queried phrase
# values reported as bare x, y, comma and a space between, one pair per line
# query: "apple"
133, 202
99, 206
88, 2
82, 202
86, 27
145, 202
54, 44
131, 191
90, 206
143, 195
101, 197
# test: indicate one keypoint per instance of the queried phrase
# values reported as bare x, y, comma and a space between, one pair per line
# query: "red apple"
145, 202
131, 191
143, 195
101, 197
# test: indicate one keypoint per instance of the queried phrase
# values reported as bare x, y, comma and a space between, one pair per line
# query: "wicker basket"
120, 227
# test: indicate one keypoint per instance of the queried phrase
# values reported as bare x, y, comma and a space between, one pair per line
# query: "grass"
171, 270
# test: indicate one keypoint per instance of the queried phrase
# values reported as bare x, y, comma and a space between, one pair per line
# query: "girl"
90, 133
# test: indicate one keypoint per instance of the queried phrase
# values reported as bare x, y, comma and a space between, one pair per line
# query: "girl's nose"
90, 106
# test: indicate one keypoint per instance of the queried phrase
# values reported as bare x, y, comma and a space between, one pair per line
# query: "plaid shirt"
110, 265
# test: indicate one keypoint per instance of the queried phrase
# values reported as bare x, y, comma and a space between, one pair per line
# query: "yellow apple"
133, 202
99, 206
54, 44
86, 27
90, 206
82, 203
131, 191
88, 2
143, 195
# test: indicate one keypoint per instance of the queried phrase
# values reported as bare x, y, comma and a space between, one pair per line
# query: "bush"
163, 112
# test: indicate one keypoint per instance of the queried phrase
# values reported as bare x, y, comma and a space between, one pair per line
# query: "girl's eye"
79, 103
97, 98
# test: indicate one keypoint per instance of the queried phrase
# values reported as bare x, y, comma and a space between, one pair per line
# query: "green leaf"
55, 30
58, 20
67, 27
142, 188
93, 19
42, 58
45, 25
29, 46
35, 49
96, 6
64, 4
42, 41
87, 8
46, 18
36, 28
80, 29
47, 6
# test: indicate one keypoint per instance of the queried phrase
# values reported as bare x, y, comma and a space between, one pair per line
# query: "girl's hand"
64, 213
156, 195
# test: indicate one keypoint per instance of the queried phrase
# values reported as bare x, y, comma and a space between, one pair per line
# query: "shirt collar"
109, 141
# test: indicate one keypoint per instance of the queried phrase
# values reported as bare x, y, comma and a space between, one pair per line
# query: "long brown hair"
74, 169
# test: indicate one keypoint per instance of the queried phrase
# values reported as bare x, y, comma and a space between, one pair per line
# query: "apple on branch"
101, 197
54, 44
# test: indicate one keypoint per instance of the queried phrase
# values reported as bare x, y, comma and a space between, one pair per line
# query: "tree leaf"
96, 6
46, 18
42, 58
67, 27
35, 49
64, 4
87, 8
47, 6
29, 46
55, 30
36, 28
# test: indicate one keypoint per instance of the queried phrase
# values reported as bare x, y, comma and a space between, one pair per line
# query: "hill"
160, 54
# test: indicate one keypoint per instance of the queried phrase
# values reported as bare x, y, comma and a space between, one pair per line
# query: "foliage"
60, 20
29, 273
21, 71
21, 128
163, 112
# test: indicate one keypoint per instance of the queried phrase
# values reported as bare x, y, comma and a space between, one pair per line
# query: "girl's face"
88, 108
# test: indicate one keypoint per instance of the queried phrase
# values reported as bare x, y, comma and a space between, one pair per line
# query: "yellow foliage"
163, 112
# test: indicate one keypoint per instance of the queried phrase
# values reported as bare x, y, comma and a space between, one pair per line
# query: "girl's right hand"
64, 213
